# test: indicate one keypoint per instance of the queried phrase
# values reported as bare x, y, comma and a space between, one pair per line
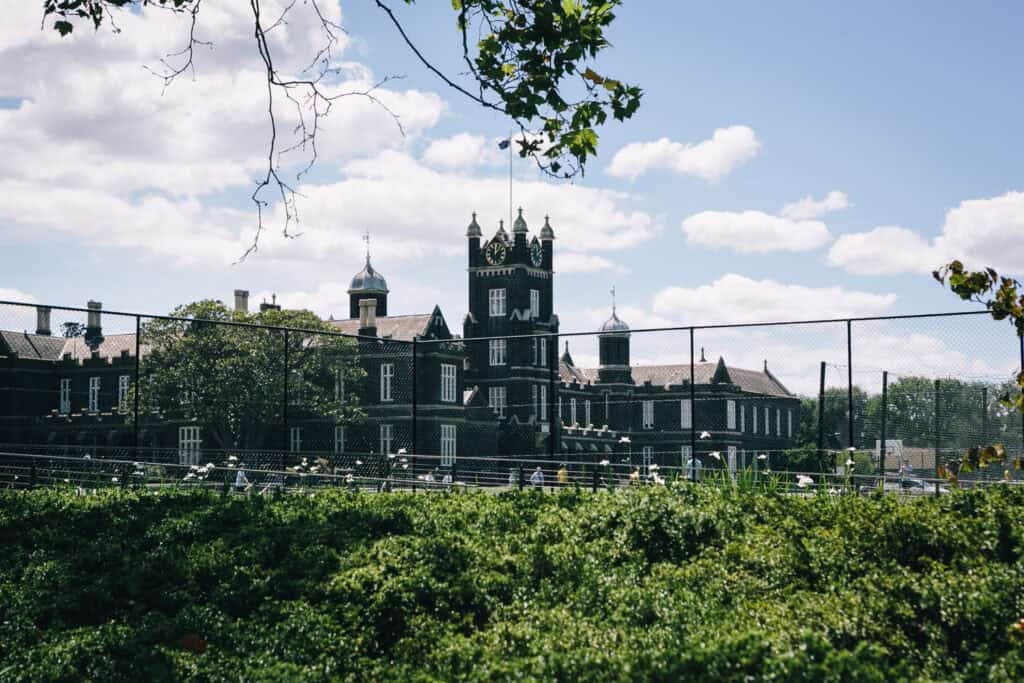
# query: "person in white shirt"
537, 478
241, 481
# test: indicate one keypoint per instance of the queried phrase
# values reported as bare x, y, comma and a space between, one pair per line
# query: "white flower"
763, 456
604, 463
625, 439
349, 479
391, 456
716, 455
137, 465
86, 457
402, 451
833, 491
850, 462
67, 481
405, 467
210, 466
113, 479
232, 458
802, 480
359, 462
705, 435
852, 449
652, 467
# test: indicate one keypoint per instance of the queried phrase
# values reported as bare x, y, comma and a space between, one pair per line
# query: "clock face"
496, 253
536, 254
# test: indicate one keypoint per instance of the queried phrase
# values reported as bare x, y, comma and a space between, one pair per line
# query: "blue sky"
904, 112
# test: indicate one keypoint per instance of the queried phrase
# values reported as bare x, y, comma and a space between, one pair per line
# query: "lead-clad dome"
368, 280
614, 324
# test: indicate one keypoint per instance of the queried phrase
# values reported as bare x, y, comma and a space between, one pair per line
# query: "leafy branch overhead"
531, 60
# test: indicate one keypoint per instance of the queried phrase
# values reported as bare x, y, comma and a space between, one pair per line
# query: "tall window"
123, 382
385, 439
543, 352
753, 412
65, 395
498, 349
447, 445
339, 439
94, 394
648, 457
543, 402
730, 414
789, 423
188, 445
743, 417
496, 301
685, 414
560, 420
536, 355
534, 304
778, 422
448, 382
648, 414
387, 373
295, 439
684, 455
732, 459
572, 411
586, 413
496, 398
339, 385
608, 408
295, 385
533, 395
767, 422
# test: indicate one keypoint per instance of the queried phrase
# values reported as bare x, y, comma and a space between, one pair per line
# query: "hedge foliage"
668, 583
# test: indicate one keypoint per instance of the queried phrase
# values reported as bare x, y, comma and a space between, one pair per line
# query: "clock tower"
511, 294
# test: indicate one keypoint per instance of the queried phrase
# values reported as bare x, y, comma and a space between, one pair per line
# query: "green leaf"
63, 27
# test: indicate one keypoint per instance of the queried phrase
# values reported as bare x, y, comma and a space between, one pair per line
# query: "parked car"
912, 487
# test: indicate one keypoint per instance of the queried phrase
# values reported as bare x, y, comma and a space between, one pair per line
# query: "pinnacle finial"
366, 239
613, 299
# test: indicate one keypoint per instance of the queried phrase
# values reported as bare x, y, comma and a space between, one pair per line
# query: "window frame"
534, 304
190, 443
448, 382
449, 444
647, 414
496, 302
95, 386
339, 438
685, 413
386, 438
497, 399
730, 414
64, 399
498, 353
387, 373
294, 439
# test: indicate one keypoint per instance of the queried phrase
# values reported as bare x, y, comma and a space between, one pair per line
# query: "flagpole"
510, 134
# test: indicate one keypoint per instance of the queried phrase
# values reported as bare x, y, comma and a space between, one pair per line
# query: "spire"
473, 229
366, 239
566, 358
520, 225
613, 300
721, 375
702, 358
501, 231
546, 233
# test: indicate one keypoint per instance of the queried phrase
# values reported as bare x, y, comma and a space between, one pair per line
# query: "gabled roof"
402, 327
34, 346
750, 381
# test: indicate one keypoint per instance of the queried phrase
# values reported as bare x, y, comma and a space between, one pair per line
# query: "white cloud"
10, 294
809, 207
711, 159
885, 249
572, 262
462, 151
979, 232
734, 298
753, 231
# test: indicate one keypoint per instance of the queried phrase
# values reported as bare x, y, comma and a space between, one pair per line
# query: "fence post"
693, 416
593, 484
415, 402
849, 381
984, 415
821, 411
885, 416
32, 473
553, 367
285, 436
938, 438
520, 476
138, 388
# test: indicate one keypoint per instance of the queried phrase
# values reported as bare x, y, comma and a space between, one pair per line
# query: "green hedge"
679, 583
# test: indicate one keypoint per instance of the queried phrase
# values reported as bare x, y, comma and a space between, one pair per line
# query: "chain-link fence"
402, 407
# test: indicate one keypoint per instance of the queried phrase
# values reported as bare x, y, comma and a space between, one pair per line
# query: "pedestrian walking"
537, 478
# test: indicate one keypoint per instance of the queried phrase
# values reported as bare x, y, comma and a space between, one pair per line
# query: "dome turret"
368, 284
546, 233
520, 225
473, 229
614, 325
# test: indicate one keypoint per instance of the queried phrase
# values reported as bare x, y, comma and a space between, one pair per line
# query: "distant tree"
72, 329
229, 379
530, 60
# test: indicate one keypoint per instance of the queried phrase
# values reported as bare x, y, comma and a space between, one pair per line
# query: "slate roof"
49, 348
399, 327
750, 381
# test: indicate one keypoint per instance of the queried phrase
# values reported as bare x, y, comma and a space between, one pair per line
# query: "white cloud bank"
809, 207
979, 232
753, 232
464, 151
711, 160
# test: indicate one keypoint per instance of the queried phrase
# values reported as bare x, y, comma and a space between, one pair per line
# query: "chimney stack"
241, 301
43, 320
93, 326
368, 317
272, 306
